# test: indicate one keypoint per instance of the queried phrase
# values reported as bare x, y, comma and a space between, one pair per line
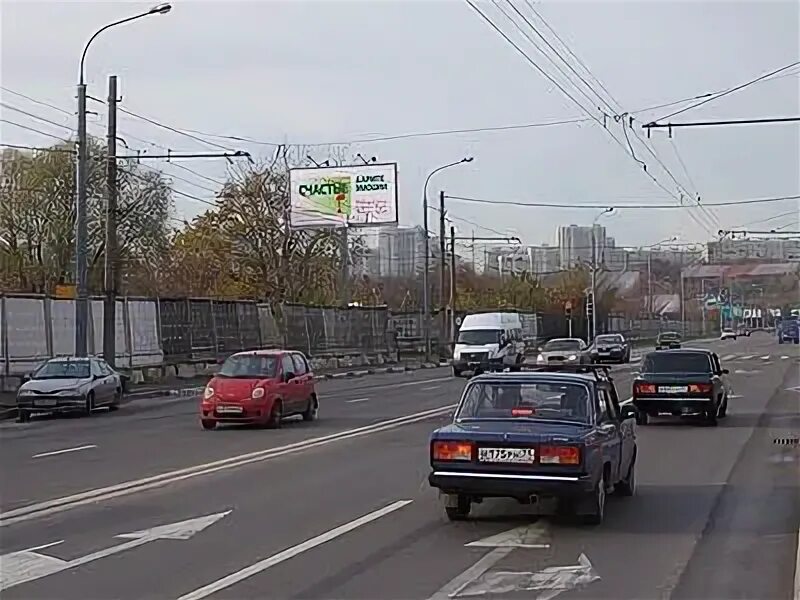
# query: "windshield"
668, 336
479, 337
674, 362
63, 369
609, 339
513, 400
249, 366
562, 345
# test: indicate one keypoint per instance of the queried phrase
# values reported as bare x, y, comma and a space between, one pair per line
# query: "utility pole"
452, 302
111, 269
81, 232
442, 265
593, 324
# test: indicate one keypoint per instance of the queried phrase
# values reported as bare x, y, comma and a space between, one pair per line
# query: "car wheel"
312, 412
208, 424
627, 487
462, 509
456, 372
711, 417
642, 418
89, 404
23, 416
597, 503
276, 416
723, 408
116, 401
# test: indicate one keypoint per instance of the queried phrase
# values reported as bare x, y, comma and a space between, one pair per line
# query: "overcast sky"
335, 71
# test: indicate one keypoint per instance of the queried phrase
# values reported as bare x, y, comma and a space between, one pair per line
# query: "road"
341, 508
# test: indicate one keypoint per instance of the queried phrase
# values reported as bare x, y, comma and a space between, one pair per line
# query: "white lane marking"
748, 357
289, 553
432, 387
57, 505
21, 567
356, 400
797, 570
784, 357
765, 357
729, 357
65, 451
43, 546
334, 393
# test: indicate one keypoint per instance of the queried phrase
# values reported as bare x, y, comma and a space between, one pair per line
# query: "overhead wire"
619, 117
618, 206
33, 129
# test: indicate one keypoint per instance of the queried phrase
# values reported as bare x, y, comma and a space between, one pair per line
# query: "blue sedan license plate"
507, 455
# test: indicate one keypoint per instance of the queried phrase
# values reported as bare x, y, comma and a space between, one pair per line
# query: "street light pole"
426, 321
81, 209
594, 274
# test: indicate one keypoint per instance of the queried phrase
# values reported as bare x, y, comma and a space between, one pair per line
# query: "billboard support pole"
344, 291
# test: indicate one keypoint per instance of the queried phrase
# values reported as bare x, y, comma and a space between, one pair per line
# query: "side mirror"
627, 411
27, 377
288, 376
725, 371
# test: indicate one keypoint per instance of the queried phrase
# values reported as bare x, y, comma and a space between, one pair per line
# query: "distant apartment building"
575, 244
763, 250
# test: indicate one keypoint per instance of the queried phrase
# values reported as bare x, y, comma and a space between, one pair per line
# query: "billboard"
343, 196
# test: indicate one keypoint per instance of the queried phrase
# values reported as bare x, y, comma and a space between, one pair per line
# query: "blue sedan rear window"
547, 400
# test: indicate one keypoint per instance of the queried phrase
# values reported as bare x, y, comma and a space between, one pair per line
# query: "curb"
11, 413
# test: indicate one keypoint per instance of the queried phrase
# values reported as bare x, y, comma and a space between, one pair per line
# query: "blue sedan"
532, 435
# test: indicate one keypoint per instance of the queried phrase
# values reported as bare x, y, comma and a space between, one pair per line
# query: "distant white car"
728, 334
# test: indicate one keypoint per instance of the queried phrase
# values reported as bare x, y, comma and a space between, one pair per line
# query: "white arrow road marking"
263, 565
746, 372
784, 357
24, 566
549, 582
503, 544
765, 357
793, 389
65, 451
748, 357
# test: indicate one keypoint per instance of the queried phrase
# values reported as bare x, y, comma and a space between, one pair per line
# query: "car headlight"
208, 392
74, 392
572, 357
25, 393
540, 358
257, 393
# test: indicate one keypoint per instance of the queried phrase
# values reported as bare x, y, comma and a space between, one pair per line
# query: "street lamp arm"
160, 9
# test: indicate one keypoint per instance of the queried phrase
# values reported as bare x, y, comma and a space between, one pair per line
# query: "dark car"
681, 382
540, 434
668, 340
69, 385
610, 347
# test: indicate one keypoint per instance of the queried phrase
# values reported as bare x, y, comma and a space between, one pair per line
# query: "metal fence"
152, 332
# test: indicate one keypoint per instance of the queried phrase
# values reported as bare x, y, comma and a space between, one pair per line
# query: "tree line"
239, 247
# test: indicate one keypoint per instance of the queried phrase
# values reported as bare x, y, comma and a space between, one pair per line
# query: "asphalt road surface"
145, 504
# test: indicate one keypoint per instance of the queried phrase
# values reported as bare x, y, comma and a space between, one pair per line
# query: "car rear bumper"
673, 405
614, 356
475, 365
507, 485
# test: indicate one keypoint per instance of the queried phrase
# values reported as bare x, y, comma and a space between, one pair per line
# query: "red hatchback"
262, 386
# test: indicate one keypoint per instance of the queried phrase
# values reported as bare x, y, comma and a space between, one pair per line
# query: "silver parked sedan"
69, 384
563, 351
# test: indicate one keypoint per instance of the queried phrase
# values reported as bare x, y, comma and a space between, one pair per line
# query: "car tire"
627, 487
275, 419
23, 416
208, 424
116, 401
597, 504
711, 417
642, 418
312, 412
88, 406
723, 408
456, 372
461, 511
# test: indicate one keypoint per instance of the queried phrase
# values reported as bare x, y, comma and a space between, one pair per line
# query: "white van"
489, 341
